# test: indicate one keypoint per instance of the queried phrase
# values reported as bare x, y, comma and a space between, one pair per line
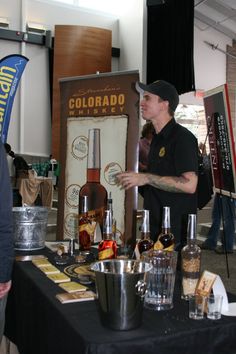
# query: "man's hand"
4, 288
128, 180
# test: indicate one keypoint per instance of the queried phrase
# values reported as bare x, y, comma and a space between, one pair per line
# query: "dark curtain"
170, 43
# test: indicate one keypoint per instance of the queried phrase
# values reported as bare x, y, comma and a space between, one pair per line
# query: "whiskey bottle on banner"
190, 260
145, 243
165, 240
85, 229
107, 248
96, 192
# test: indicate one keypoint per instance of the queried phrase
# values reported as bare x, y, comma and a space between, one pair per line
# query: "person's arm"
186, 183
4, 288
6, 232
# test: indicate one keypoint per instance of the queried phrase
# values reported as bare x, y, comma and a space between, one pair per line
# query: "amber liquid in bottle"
84, 227
107, 248
166, 239
145, 243
93, 189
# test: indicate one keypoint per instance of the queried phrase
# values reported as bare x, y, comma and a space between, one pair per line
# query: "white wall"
210, 65
30, 127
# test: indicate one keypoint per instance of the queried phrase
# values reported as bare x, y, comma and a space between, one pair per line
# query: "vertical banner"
221, 140
11, 69
108, 102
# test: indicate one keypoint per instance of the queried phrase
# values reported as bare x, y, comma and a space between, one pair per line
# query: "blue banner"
11, 69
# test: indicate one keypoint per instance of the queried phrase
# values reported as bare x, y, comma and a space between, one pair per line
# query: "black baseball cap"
164, 90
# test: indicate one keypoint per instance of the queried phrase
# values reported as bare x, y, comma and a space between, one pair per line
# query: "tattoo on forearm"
165, 183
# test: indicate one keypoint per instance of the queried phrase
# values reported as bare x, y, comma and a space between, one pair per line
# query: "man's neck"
161, 122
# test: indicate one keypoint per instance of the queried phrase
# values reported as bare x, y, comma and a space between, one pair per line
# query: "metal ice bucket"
29, 227
120, 288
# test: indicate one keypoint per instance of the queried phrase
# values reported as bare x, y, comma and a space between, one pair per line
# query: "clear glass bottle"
93, 189
107, 248
84, 226
190, 260
166, 239
145, 243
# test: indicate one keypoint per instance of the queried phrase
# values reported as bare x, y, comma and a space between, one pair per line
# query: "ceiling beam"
223, 9
218, 27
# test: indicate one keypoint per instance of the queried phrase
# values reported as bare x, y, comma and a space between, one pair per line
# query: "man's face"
151, 106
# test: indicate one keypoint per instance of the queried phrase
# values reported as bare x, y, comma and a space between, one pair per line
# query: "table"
39, 324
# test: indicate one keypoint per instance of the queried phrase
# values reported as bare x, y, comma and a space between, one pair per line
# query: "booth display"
102, 107
38, 322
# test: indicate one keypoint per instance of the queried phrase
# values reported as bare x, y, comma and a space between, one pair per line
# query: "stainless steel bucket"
120, 288
29, 227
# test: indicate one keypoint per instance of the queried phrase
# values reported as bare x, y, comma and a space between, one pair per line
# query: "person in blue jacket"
6, 236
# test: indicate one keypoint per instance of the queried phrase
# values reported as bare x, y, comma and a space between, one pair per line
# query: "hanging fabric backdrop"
170, 43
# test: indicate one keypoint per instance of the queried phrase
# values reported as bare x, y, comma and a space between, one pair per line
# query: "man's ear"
165, 105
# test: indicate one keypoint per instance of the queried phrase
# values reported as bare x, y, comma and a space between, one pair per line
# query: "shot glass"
214, 306
196, 307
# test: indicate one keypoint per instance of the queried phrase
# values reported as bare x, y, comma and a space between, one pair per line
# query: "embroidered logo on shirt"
162, 151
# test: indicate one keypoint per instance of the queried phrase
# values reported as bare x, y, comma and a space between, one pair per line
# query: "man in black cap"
171, 178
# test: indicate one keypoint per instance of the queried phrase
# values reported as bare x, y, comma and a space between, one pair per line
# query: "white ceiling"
218, 14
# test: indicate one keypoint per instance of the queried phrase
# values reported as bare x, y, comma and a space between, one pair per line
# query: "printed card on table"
59, 277
65, 298
72, 287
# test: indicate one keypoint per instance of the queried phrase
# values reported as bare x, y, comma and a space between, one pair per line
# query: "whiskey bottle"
96, 192
107, 248
145, 243
166, 239
190, 260
84, 226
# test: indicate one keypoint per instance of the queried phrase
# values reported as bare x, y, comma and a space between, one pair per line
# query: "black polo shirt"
173, 151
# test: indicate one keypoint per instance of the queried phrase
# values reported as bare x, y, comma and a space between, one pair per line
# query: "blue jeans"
223, 208
3, 302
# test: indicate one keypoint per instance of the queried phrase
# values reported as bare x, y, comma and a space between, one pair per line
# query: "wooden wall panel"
78, 50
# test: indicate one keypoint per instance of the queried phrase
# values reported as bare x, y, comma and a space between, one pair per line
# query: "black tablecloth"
39, 324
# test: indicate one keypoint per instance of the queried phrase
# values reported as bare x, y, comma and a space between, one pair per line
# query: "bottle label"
97, 215
159, 246
105, 254
89, 228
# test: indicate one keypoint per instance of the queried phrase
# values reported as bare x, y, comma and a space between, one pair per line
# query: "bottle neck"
191, 233
145, 235
94, 157
145, 227
107, 225
165, 230
107, 236
166, 219
93, 175
191, 239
